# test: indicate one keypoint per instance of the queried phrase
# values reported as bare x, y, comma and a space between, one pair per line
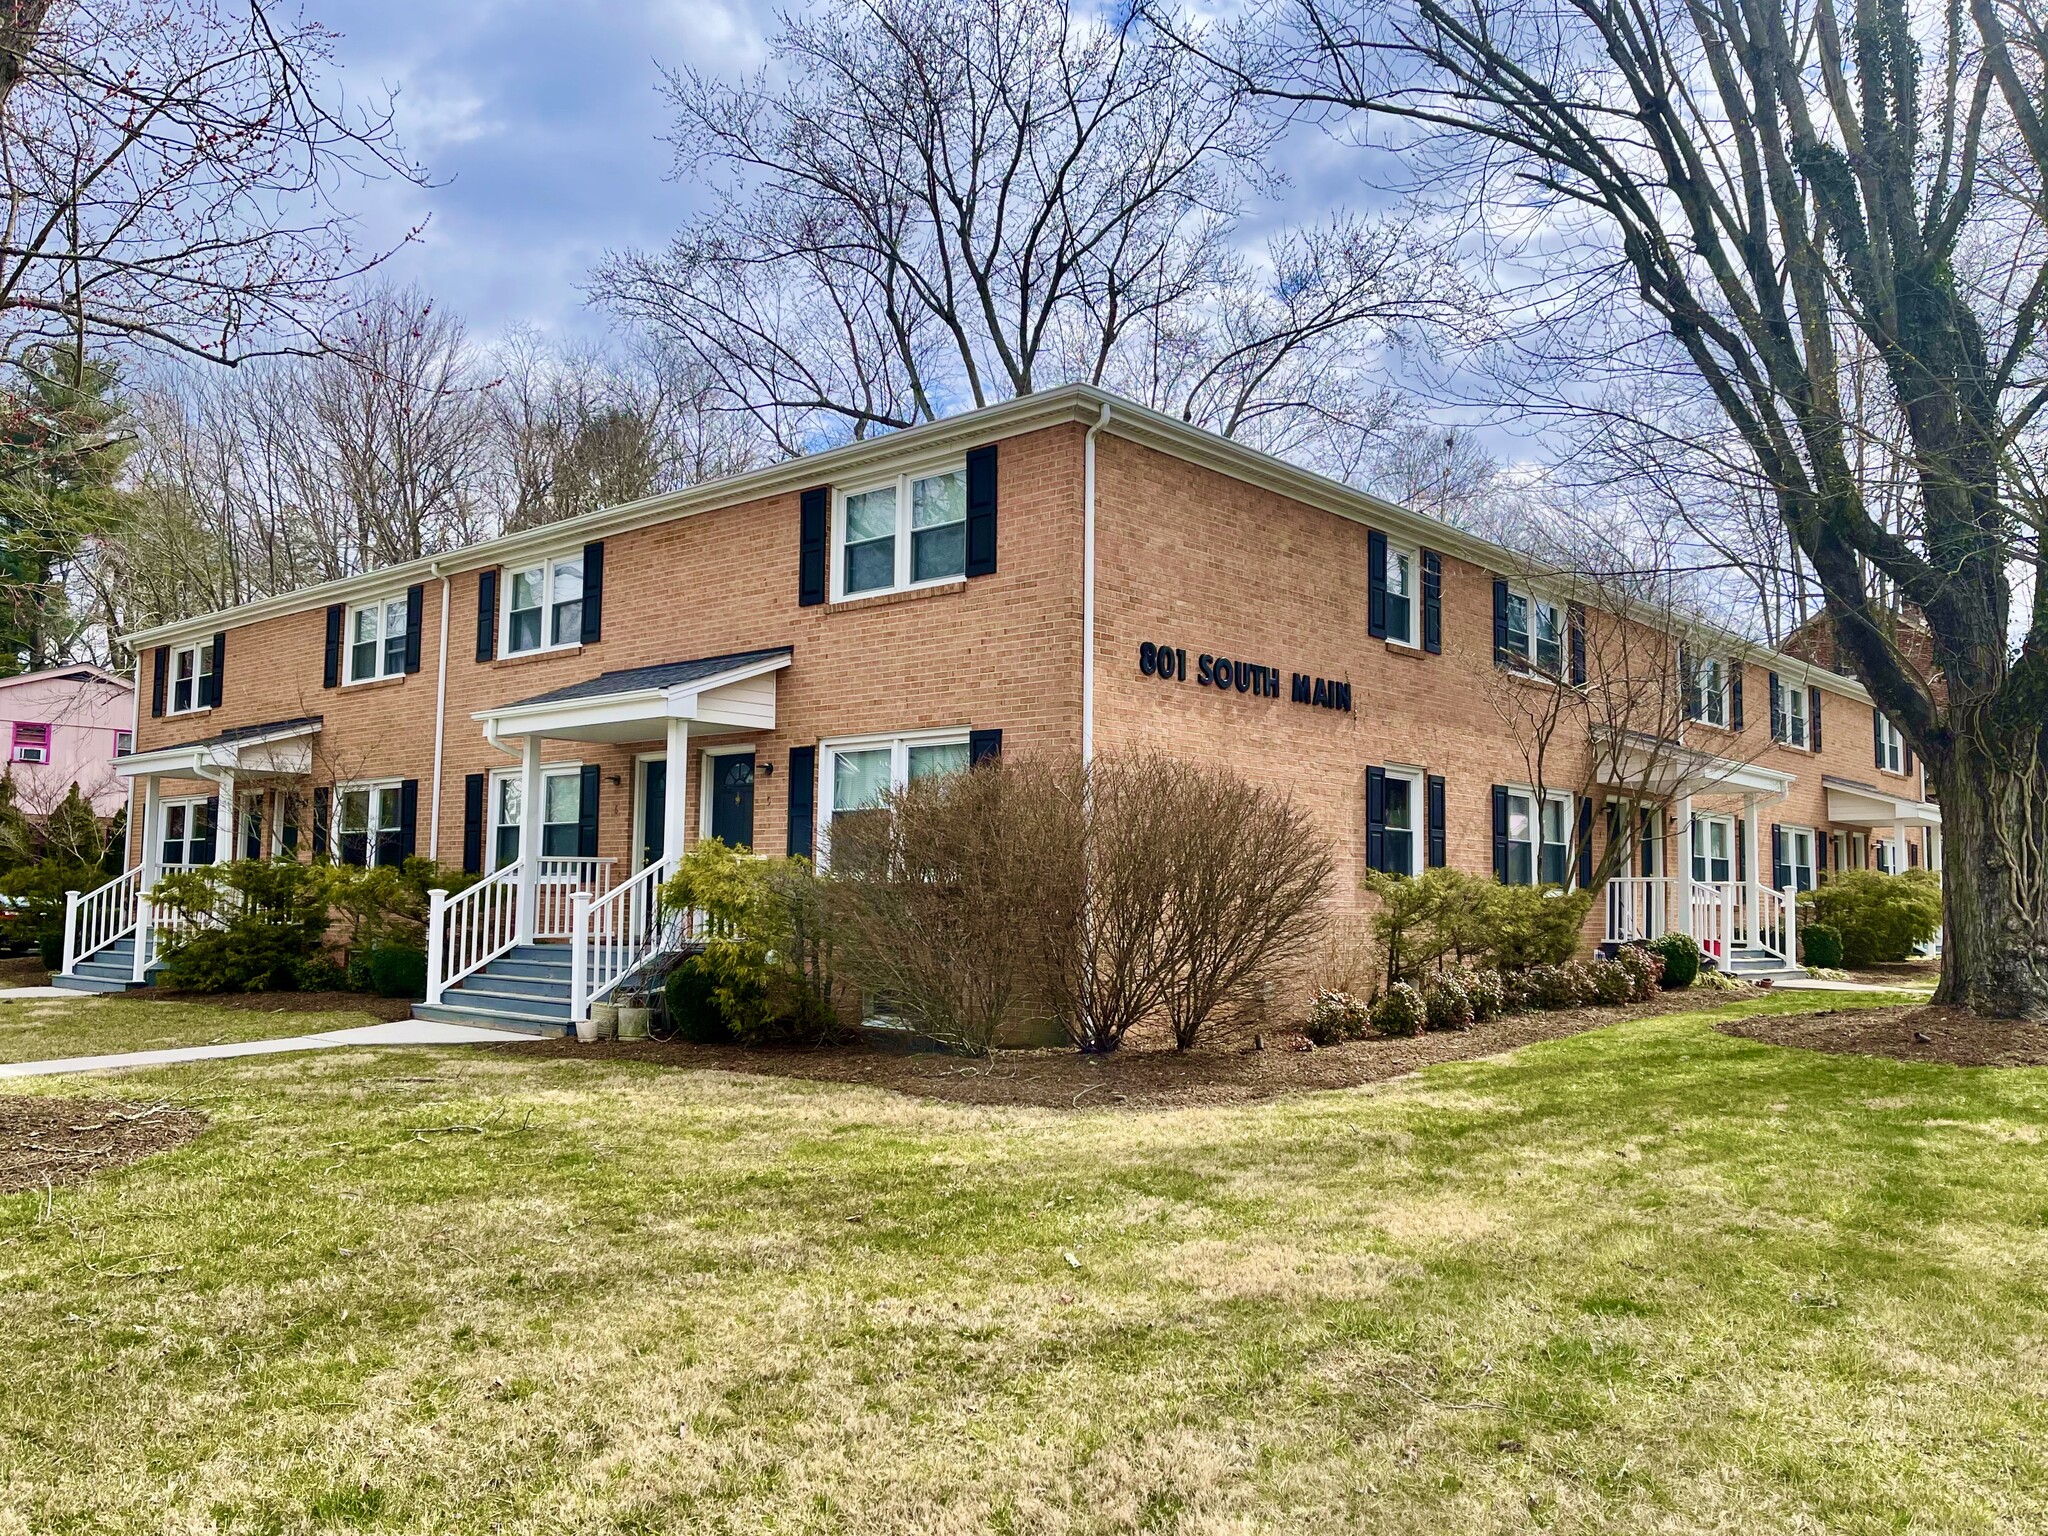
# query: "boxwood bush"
1880, 917
1821, 945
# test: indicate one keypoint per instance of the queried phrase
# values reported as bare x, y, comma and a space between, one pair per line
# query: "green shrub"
317, 973
1645, 971
1399, 1012
396, 970
1487, 995
252, 925
1879, 917
1447, 1004
1533, 925
693, 1014
1612, 983
50, 949
766, 961
1472, 919
1821, 945
1557, 986
40, 888
1680, 953
1334, 1017
251, 954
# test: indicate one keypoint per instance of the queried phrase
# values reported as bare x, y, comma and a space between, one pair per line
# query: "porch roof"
274, 747
731, 692
1852, 803
1674, 768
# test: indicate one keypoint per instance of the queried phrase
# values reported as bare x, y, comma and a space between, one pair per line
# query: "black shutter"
1376, 587
1432, 602
162, 670
1500, 624
803, 802
487, 614
1575, 622
206, 852
1877, 735
1689, 683
1735, 696
1820, 853
330, 674
1500, 833
1781, 877
1813, 718
1437, 830
1585, 842
473, 823
593, 598
288, 829
1778, 731
415, 617
586, 813
408, 818
981, 511
220, 661
1741, 849
1375, 817
322, 799
1906, 756
813, 537
983, 747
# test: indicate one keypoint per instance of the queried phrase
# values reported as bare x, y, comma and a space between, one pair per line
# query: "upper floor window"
191, 673
1709, 685
1535, 634
376, 640
544, 605
902, 533
1891, 747
31, 742
124, 743
1400, 574
1789, 714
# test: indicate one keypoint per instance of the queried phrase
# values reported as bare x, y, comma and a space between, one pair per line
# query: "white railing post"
579, 956
1791, 956
70, 932
437, 945
145, 933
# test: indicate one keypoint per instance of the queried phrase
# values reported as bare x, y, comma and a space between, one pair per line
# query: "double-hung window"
1402, 826
1710, 691
1891, 747
561, 794
1539, 838
905, 532
1795, 845
857, 775
187, 839
1792, 715
191, 672
544, 605
124, 743
1535, 632
376, 640
368, 830
1402, 578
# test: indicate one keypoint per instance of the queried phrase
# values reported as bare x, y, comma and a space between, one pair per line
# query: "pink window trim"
29, 734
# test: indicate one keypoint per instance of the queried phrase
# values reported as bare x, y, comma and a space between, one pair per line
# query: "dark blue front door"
732, 799
653, 810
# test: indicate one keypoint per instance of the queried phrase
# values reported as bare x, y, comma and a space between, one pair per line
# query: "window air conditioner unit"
31, 754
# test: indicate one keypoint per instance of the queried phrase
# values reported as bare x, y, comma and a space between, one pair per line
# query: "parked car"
16, 927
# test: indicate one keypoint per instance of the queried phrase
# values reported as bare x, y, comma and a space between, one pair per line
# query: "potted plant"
605, 1016
635, 1015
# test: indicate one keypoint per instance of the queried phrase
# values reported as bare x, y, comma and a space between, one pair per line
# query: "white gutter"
440, 717
1088, 588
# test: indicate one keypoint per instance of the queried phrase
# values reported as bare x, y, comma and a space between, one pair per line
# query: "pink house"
65, 726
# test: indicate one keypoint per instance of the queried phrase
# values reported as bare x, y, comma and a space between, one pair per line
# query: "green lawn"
43, 1029
1647, 1279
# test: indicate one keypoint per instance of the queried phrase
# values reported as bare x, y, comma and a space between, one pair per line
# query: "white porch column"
530, 814
674, 805
1900, 863
1752, 894
1679, 878
152, 831
227, 825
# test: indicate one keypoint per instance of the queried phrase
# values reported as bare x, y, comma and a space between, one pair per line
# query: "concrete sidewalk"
405, 1032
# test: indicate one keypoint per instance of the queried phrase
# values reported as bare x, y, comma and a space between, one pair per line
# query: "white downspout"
1088, 589
130, 839
440, 720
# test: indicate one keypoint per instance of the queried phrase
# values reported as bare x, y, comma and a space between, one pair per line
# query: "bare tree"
169, 177
932, 204
1743, 199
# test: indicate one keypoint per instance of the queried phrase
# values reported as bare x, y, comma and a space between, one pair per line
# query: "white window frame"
493, 795
1792, 711
201, 652
1716, 700
1894, 744
1536, 842
1527, 658
382, 667
124, 743
192, 805
705, 773
899, 745
549, 604
1694, 858
902, 483
1789, 837
374, 828
1413, 597
1418, 817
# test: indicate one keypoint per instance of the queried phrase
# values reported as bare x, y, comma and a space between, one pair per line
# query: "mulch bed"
47, 1142
1145, 1074
23, 971
1950, 1035
388, 1009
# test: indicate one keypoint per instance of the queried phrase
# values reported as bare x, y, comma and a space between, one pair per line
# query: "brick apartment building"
1066, 572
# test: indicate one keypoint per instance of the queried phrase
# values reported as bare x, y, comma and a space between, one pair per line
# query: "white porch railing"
96, 918
1636, 908
561, 882
615, 933
468, 931
1716, 907
1777, 924
164, 923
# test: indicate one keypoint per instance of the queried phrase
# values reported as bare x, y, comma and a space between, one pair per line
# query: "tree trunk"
1993, 788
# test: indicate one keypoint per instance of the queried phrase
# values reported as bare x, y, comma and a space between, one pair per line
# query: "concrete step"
93, 984
518, 985
453, 1013
468, 995
536, 970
